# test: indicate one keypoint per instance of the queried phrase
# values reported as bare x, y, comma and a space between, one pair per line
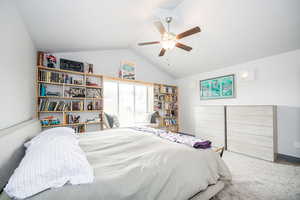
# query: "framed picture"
222, 87
127, 70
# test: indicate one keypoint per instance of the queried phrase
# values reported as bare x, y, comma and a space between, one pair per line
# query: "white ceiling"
233, 31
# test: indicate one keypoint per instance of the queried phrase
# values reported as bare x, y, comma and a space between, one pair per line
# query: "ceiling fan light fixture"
168, 44
168, 41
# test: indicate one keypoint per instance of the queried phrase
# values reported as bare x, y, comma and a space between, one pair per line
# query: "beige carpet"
255, 179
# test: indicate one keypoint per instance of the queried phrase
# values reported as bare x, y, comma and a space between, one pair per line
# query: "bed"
128, 165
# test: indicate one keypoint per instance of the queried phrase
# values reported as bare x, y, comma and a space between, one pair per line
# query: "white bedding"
52, 159
132, 165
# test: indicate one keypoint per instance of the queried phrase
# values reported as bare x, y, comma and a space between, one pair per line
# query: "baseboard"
291, 159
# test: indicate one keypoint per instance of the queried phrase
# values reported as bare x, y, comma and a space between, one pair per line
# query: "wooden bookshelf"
62, 85
166, 103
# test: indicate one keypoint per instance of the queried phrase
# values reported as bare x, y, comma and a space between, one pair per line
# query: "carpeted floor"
254, 179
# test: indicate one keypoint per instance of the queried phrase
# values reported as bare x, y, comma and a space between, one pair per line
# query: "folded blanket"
176, 137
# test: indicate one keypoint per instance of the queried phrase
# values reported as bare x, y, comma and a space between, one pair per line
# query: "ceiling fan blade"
183, 46
160, 27
188, 32
147, 43
162, 52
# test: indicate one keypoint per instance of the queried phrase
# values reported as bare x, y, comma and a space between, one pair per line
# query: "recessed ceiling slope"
233, 32
70, 25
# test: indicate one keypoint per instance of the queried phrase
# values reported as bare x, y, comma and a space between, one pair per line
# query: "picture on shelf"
127, 70
50, 60
71, 65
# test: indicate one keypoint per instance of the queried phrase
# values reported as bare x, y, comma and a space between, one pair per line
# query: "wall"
276, 82
17, 67
107, 62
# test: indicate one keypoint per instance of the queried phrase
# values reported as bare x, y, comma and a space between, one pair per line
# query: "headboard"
12, 149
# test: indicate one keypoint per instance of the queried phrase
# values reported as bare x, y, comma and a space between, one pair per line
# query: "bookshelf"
166, 103
69, 98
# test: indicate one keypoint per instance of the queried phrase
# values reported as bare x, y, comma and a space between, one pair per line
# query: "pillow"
50, 134
110, 120
116, 121
52, 159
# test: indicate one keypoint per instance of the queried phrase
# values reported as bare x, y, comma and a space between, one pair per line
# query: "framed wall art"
222, 87
127, 70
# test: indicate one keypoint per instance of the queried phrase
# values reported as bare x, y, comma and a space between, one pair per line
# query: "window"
132, 103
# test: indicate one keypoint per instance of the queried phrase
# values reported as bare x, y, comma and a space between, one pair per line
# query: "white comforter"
132, 165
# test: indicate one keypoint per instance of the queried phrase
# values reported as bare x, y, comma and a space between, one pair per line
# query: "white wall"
107, 62
17, 64
277, 82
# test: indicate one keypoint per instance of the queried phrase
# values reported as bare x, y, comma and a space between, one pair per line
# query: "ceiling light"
168, 41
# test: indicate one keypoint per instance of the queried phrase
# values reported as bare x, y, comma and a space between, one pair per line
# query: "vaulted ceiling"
233, 31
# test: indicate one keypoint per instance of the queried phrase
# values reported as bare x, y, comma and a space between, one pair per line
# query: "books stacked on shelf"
75, 92
47, 105
48, 76
167, 90
72, 119
56, 77
77, 106
93, 93
44, 92
170, 121
50, 120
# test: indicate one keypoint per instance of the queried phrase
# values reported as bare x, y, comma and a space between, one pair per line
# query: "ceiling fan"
168, 39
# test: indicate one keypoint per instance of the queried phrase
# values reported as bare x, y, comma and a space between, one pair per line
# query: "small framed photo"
127, 70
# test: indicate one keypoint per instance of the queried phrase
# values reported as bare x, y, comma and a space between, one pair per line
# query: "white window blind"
131, 102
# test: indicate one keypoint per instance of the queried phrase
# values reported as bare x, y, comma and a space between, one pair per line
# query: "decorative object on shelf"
77, 92
71, 65
127, 70
51, 60
43, 90
53, 94
88, 68
40, 58
72, 119
222, 87
89, 82
90, 106
93, 93
50, 121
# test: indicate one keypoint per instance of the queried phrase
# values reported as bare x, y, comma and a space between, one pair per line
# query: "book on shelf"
58, 77
47, 105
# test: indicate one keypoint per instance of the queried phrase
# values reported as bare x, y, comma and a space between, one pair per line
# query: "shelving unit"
166, 103
64, 98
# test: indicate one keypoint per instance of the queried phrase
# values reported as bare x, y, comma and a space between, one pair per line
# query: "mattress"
134, 165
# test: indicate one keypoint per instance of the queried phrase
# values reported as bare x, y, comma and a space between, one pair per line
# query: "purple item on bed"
191, 141
202, 145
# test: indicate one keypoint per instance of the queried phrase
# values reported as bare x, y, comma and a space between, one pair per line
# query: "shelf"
70, 111
90, 86
70, 98
71, 85
62, 84
60, 70
68, 71
76, 124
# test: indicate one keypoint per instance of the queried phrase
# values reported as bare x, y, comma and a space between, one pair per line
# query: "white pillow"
51, 133
52, 159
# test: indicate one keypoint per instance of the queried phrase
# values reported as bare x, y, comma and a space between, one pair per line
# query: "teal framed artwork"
222, 87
